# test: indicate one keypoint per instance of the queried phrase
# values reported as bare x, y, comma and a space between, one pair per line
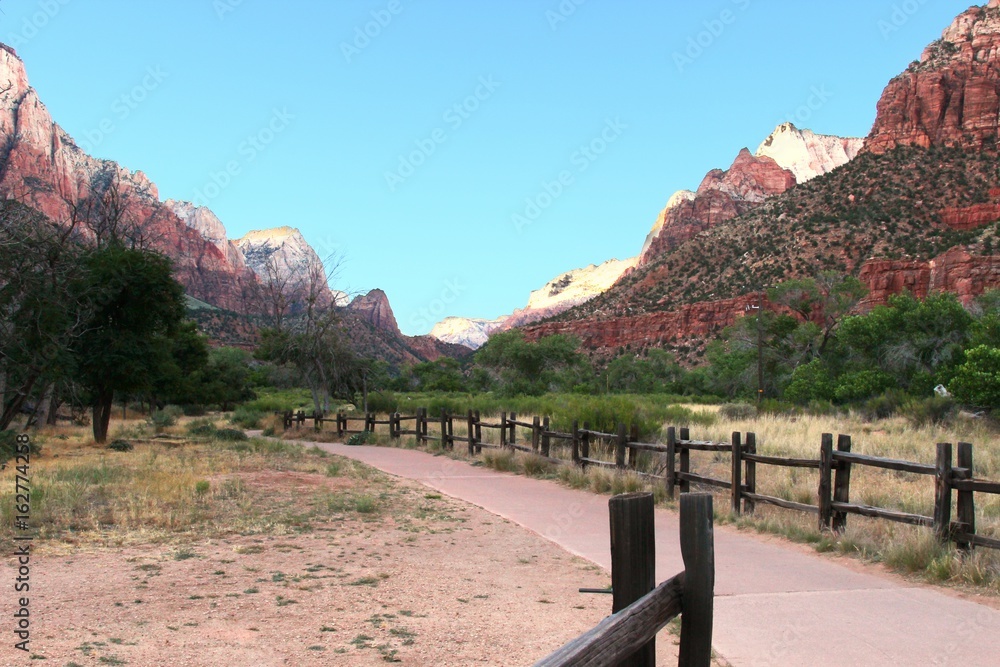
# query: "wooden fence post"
842, 484
942, 492
503, 430
444, 429
512, 436
546, 442
671, 472
685, 461
825, 481
451, 432
576, 442
317, 421
633, 453
620, 446
472, 434
698, 552
536, 436
737, 468
749, 507
340, 428
585, 444
633, 560
479, 433
966, 499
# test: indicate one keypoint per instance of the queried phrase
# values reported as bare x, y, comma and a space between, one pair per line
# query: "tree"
977, 379
656, 373
444, 374
825, 300
533, 368
225, 379
136, 306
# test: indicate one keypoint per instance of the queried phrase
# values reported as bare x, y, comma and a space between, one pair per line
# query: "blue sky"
410, 150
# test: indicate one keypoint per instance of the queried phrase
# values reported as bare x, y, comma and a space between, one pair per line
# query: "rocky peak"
807, 154
951, 96
374, 308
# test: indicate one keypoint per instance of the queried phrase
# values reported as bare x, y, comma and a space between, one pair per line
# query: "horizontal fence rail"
955, 486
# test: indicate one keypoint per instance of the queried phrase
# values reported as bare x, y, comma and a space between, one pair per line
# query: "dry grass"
185, 487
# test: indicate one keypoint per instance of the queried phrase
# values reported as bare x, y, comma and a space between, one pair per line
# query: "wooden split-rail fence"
640, 608
954, 482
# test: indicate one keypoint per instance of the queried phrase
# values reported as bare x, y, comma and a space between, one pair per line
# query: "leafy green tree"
225, 379
658, 372
137, 306
533, 368
825, 300
810, 382
444, 374
916, 342
977, 379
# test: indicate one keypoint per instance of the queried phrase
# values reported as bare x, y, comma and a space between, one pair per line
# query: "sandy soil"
460, 587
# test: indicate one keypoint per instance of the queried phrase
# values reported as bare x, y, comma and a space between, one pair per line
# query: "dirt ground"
458, 587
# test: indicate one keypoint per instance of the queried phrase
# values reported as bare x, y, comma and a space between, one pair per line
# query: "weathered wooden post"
503, 430
451, 432
737, 468
472, 434
633, 453
545, 437
317, 421
749, 506
536, 436
512, 436
698, 552
576, 442
842, 484
670, 476
585, 444
685, 460
966, 515
340, 429
942, 492
620, 446
444, 428
825, 481
633, 560
479, 433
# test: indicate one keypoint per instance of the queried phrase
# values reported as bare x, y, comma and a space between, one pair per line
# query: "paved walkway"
775, 605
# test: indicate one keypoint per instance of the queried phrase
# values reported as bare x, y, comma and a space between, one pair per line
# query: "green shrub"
977, 379
230, 435
810, 382
120, 446
359, 439
861, 385
8, 446
738, 411
201, 427
384, 402
935, 410
166, 417
246, 417
883, 407
202, 487
193, 410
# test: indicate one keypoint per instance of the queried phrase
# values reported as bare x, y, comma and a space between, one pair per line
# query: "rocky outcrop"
282, 256
807, 154
205, 222
374, 308
956, 271
472, 333
951, 97
722, 196
42, 166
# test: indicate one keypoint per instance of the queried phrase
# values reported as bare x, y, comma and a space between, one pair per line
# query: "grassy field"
912, 550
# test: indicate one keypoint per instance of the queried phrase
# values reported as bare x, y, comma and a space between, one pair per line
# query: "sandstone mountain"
916, 209
559, 294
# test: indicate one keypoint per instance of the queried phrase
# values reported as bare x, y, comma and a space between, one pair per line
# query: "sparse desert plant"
246, 417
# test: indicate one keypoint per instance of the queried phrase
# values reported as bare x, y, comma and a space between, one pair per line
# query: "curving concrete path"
775, 605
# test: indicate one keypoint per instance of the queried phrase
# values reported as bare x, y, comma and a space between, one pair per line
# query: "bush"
193, 410
202, 427
166, 417
246, 417
883, 407
230, 435
935, 410
810, 382
359, 439
381, 401
120, 446
861, 385
977, 379
738, 411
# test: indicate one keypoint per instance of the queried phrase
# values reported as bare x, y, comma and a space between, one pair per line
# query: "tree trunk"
45, 406
13, 407
102, 415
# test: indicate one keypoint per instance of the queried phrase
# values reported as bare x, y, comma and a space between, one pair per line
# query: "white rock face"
284, 254
568, 290
206, 223
807, 154
471, 333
